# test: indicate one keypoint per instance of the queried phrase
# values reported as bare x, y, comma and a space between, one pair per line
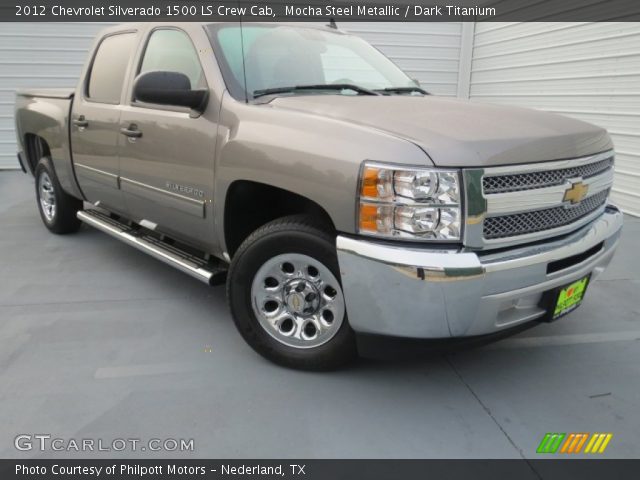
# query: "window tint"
172, 51
109, 68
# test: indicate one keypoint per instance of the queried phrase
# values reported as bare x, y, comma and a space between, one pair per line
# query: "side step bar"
190, 264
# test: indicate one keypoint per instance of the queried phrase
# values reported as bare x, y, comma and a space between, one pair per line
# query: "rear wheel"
286, 298
57, 208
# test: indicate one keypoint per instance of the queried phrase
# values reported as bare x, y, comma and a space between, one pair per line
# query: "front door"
166, 153
95, 120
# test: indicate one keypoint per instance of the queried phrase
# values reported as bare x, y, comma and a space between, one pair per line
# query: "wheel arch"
250, 205
35, 148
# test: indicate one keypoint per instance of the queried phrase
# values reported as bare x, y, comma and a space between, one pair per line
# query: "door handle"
131, 131
81, 122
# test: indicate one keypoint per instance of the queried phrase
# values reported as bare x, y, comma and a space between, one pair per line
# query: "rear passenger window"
172, 51
109, 68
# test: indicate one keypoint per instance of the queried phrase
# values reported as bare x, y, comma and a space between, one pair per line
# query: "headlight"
415, 204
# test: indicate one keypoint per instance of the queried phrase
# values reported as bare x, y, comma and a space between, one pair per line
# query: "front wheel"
286, 298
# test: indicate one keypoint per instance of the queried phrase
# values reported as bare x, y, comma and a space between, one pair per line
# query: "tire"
286, 299
57, 208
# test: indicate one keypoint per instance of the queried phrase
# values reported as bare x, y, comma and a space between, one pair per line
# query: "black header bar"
318, 10
583, 469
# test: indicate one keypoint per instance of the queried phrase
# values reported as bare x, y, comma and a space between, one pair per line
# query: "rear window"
109, 68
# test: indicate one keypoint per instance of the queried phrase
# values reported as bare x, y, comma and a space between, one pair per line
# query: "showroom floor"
98, 340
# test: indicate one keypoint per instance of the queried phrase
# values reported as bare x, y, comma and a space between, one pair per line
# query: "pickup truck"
333, 195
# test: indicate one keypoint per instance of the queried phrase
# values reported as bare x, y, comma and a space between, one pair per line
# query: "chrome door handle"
131, 132
81, 122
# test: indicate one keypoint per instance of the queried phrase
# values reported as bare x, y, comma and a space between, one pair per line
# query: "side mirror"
169, 88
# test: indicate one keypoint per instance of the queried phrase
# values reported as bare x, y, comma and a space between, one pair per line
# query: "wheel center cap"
296, 302
301, 297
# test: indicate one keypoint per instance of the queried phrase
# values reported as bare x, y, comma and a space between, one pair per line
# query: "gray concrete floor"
100, 341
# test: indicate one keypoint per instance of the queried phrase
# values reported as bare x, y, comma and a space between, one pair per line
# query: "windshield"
278, 56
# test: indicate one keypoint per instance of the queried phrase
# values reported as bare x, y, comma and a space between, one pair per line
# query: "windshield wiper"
298, 88
402, 90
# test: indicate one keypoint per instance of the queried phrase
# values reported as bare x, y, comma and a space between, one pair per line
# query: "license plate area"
565, 299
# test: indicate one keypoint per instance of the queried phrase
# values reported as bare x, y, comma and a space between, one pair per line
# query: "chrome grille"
541, 179
540, 220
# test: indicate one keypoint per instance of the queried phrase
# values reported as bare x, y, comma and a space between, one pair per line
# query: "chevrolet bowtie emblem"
576, 193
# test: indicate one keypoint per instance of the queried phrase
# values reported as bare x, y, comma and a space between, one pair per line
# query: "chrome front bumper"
440, 293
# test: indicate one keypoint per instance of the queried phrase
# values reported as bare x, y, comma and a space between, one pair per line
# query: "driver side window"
172, 51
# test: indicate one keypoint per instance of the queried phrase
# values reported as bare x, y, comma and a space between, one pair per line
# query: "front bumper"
441, 293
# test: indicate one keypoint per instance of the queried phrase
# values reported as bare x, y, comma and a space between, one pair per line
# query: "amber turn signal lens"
368, 218
370, 182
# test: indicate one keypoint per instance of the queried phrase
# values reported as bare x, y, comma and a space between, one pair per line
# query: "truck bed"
44, 113
46, 92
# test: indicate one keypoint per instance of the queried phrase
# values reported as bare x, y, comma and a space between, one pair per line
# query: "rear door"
167, 170
95, 119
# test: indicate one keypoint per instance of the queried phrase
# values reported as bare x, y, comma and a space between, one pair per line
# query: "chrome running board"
144, 241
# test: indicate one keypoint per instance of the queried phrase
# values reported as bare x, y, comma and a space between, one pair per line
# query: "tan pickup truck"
334, 194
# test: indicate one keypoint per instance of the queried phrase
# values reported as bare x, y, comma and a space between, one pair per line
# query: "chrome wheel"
297, 300
47, 196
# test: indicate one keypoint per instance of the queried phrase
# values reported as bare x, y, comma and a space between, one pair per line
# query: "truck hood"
458, 133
